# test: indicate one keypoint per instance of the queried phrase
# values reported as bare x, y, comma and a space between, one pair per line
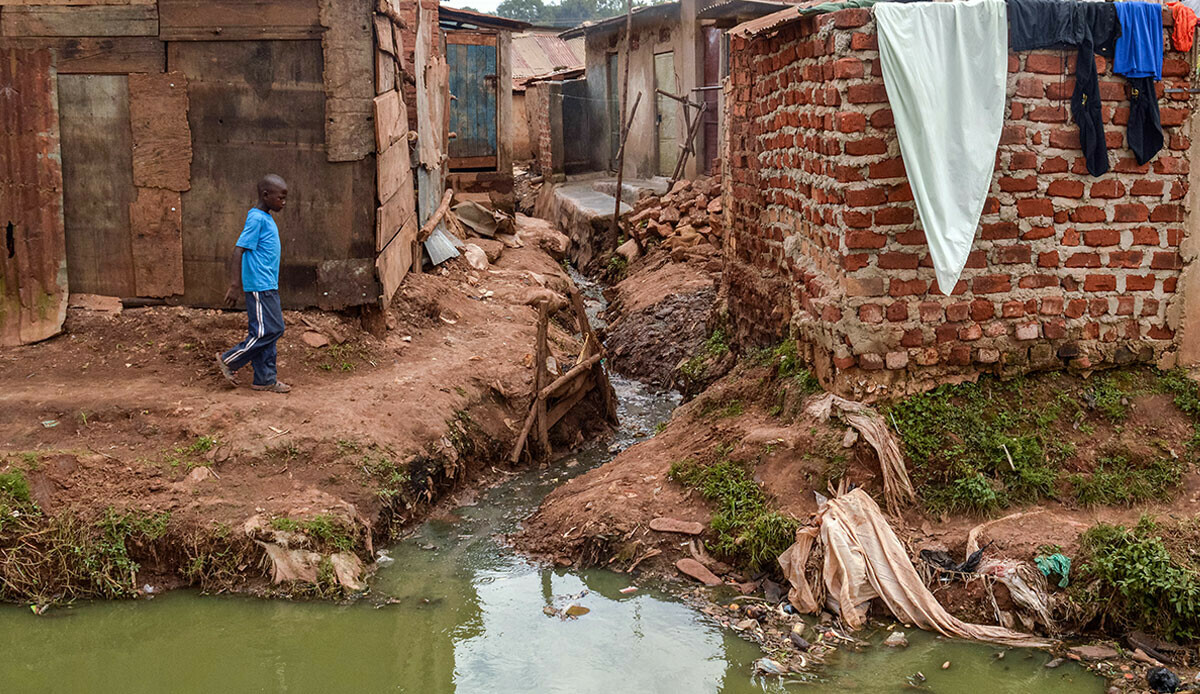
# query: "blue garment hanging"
1140, 46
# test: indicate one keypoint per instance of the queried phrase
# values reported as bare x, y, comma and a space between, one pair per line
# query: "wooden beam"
583, 366
95, 20
432, 222
118, 55
568, 403
238, 20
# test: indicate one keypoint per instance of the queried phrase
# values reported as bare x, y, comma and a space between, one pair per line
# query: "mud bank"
127, 463
1100, 437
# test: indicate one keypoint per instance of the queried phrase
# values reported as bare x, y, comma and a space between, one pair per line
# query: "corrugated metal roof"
741, 8
534, 55
791, 14
648, 13
456, 15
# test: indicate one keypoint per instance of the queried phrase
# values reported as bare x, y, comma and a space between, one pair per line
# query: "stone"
797, 637
476, 257
694, 569
628, 250
1094, 652
679, 187
674, 525
896, 639
199, 474
314, 339
669, 215
746, 625
714, 206
494, 249
1055, 663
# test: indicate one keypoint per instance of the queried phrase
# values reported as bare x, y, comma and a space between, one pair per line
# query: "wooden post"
637, 239
600, 376
541, 378
625, 119
687, 148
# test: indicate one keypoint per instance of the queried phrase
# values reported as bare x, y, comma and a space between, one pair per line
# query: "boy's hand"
231, 296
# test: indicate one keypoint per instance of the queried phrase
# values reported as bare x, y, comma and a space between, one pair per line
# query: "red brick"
975, 259
1124, 305
897, 311
946, 332
960, 355
1145, 236
1100, 283
1053, 165
1012, 135
867, 145
888, 168
1048, 259
1008, 255
1064, 139
868, 286
991, 284
1022, 160
850, 121
982, 309
1083, 260
1167, 213
1157, 332
895, 260
851, 18
931, 311
866, 197
1012, 309
1166, 260
831, 314
970, 332
1125, 259
894, 215
1035, 233
999, 230
863, 42
856, 219
958, 311
1172, 117
1144, 186
1131, 212
1075, 308
1066, 189
1088, 213
870, 313
1054, 329
1048, 114
914, 237
1098, 306
855, 261
912, 338
1107, 189
907, 287
1009, 184
1035, 207
1102, 237
1051, 306
847, 68
869, 93
1030, 88
1044, 63
883, 118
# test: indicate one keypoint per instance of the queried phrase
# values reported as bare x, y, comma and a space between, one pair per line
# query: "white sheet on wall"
945, 65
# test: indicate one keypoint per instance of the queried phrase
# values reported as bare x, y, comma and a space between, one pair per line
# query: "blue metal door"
473, 83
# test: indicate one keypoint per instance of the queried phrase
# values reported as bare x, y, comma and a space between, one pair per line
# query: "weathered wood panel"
385, 72
473, 114
238, 20
97, 182
384, 40
257, 107
391, 120
349, 78
162, 140
394, 262
75, 2
94, 20
156, 226
432, 95
118, 55
33, 269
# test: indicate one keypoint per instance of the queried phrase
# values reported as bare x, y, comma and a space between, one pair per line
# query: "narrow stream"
457, 611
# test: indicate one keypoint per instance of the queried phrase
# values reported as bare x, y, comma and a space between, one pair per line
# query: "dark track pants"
265, 316
1144, 133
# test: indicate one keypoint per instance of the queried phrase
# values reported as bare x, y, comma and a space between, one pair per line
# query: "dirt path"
127, 412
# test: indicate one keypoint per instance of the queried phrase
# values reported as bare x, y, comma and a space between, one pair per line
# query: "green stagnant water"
457, 611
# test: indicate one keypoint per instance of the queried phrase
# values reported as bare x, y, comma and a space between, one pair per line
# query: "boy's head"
272, 192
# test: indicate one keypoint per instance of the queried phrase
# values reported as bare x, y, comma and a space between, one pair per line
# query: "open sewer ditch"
458, 611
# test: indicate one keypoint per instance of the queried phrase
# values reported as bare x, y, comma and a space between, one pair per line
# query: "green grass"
1186, 394
748, 531
325, 530
1115, 480
14, 487
716, 346
616, 269
190, 456
1139, 580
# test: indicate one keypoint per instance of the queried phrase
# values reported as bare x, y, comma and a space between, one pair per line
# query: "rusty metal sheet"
33, 266
349, 282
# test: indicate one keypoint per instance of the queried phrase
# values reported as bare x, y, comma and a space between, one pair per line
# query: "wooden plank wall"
396, 218
286, 86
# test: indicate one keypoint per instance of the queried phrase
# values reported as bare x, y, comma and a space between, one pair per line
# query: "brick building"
825, 243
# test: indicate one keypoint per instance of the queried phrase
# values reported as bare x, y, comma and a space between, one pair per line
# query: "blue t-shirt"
1140, 45
260, 262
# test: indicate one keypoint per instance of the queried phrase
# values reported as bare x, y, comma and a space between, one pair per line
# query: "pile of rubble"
688, 220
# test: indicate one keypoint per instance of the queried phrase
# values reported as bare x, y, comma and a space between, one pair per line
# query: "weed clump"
1115, 480
715, 347
325, 530
748, 531
1138, 580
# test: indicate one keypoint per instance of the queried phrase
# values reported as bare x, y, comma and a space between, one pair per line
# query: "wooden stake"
541, 378
430, 225
688, 149
614, 229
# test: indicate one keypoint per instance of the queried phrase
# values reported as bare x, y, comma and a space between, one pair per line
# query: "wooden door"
712, 78
33, 265
667, 117
471, 58
97, 162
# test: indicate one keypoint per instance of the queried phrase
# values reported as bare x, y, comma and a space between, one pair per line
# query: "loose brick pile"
688, 216
825, 241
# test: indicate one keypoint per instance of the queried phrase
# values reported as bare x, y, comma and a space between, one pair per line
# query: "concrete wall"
825, 243
650, 37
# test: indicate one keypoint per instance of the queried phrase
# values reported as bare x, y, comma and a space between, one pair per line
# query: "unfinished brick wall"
825, 243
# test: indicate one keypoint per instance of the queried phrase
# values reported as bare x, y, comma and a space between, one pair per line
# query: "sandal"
276, 387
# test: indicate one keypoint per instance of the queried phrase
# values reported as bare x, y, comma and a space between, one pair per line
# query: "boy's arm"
235, 277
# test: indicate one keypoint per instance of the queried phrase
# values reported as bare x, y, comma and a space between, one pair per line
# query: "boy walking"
254, 271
